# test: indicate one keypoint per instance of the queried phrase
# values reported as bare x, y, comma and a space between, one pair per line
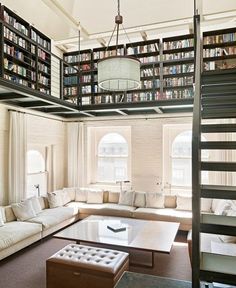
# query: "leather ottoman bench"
80, 266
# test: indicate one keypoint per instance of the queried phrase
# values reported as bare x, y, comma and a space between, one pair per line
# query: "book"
117, 227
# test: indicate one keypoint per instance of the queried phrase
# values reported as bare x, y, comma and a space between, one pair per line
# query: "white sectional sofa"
65, 206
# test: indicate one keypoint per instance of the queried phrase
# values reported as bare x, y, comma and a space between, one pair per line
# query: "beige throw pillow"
140, 199
113, 197
1, 219
65, 197
55, 199
154, 200
71, 193
94, 197
126, 198
35, 204
23, 210
184, 203
81, 194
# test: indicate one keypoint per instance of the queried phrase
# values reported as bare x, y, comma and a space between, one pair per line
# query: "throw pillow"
2, 212
81, 194
140, 199
231, 213
35, 204
65, 197
94, 197
154, 200
55, 199
170, 201
227, 238
184, 203
126, 198
113, 197
23, 210
222, 207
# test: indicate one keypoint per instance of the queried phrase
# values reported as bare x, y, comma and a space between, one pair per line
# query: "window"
112, 158
36, 174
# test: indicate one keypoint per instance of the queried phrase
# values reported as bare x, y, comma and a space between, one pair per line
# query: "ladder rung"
218, 229
217, 100
212, 276
219, 113
218, 192
218, 145
218, 128
218, 166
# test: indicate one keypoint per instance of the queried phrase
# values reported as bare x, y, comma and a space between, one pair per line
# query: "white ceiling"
60, 19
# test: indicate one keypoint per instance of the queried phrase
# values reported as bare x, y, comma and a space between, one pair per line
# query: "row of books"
177, 69
43, 80
102, 54
178, 44
222, 38
41, 41
70, 70
43, 68
72, 80
86, 100
219, 65
11, 50
77, 58
178, 81
178, 94
149, 48
18, 80
70, 91
10, 35
217, 52
149, 72
43, 55
44, 90
12, 21
86, 89
178, 56
149, 59
85, 78
9, 65
149, 84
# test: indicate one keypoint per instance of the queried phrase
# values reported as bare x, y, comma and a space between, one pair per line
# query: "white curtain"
51, 167
75, 154
17, 156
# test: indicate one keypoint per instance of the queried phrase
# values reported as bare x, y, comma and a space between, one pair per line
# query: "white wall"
146, 147
41, 132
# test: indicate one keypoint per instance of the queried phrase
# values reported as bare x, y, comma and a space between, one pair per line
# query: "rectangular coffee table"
145, 235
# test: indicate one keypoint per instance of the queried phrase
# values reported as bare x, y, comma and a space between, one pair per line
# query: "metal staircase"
214, 110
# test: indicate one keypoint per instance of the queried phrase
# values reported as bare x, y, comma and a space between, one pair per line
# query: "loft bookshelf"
26, 53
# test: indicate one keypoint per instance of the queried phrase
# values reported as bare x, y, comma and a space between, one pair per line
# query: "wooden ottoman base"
78, 266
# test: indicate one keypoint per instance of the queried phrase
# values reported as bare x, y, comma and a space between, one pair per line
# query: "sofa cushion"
166, 214
227, 238
184, 203
1, 217
52, 217
95, 197
154, 200
71, 193
222, 207
81, 194
35, 204
10, 216
55, 199
140, 199
43, 202
113, 197
15, 231
206, 204
23, 210
126, 198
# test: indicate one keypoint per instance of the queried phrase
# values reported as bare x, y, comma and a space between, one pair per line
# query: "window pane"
181, 172
112, 169
113, 144
35, 162
182, 145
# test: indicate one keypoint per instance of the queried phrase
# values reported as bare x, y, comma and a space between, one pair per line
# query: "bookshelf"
219, 49
26, 53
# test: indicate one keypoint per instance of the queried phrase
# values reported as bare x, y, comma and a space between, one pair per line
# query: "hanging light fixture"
118, 73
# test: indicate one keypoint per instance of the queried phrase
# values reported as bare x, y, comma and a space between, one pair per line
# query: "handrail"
196, 156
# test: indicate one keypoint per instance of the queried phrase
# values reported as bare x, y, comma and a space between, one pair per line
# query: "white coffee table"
145, 235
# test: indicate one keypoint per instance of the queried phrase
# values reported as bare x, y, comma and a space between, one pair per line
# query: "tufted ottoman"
80, 266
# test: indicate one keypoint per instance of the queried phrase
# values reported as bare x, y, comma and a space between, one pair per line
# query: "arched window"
36, 174
112, 158
181, 156
35, 162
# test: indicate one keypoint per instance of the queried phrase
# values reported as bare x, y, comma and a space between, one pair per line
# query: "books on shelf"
149, 48
184, 43
178, 81
178, 69
178, 56
221, 38
15, 23
218, 51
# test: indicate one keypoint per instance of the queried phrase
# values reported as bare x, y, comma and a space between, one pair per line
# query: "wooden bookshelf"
25, 53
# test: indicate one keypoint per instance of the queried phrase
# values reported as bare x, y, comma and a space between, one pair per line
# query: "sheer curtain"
75, 154
17, 156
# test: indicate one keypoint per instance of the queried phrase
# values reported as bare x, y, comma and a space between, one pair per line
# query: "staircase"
214, 113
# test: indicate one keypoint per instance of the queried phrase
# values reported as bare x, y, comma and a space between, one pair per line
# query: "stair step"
219, 90
218, 192
219, 113
218, 145
218, 229
218, 166
218, 128
216, 100
222, 77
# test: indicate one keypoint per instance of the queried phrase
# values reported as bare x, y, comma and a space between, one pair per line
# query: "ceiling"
60, 19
